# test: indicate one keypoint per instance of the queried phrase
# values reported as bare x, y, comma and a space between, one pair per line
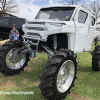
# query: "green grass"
86, 86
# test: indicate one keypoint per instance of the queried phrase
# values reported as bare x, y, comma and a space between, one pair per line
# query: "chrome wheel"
14, 60
65, 76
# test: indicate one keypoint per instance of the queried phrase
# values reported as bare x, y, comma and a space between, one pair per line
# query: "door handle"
86, 34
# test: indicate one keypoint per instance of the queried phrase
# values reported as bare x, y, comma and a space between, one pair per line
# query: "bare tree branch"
8, 6
95, 8
74, 2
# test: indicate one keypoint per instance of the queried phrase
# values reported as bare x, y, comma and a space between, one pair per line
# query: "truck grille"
33, 34
43, 23
37, 28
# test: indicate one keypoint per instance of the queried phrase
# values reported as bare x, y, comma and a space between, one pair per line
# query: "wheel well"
62, 41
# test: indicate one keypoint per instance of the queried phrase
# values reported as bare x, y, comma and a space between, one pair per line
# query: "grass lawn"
86, 86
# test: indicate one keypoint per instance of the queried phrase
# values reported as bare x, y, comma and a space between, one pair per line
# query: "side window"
82, 16
18, 22
4, 21
92, 21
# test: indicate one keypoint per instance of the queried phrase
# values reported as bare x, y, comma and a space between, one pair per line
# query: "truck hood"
48, 27
47, 20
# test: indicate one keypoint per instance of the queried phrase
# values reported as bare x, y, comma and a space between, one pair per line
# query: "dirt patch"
25, 80
77, 97
33, 61
39, 60
0, 79
11, 77
79, 74
2, 42
8, 85
28, 68
36, 83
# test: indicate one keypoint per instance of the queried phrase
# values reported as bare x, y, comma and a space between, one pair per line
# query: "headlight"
57, 24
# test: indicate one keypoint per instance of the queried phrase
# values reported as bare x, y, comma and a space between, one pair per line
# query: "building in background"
7, 15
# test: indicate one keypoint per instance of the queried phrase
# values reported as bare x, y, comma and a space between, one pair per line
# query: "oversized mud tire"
96, 59
6, 65
58, 75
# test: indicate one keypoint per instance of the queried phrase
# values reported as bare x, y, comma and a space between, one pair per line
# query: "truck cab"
73, 25
84, 30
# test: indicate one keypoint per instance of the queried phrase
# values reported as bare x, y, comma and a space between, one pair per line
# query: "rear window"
4, 21
18, 22
92, 21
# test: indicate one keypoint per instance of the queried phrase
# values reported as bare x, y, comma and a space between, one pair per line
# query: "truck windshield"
56, 13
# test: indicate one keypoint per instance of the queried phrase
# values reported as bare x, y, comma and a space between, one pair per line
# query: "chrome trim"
35, 38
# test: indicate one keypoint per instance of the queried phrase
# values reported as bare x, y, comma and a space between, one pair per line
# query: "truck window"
56, 13
18, 22
92, 21
82, 16
4, 21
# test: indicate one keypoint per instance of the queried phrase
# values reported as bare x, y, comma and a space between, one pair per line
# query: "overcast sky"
29, 8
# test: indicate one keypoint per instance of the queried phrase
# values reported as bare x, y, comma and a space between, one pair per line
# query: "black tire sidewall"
4, 58
58, 94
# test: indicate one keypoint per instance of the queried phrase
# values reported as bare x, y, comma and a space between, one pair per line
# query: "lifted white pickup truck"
59, 32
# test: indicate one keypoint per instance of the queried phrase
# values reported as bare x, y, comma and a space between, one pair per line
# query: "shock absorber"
55, 43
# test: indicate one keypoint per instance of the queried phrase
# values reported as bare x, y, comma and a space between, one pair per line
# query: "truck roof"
63, 6
76, 6
11, 17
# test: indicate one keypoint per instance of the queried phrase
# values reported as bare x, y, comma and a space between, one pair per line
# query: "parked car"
6, 24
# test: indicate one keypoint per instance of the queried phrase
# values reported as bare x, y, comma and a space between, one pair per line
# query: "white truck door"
89, 40
82, 28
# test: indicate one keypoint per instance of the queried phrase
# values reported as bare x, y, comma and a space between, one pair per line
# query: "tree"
95, 8
75, 2
72, 2
8, 6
